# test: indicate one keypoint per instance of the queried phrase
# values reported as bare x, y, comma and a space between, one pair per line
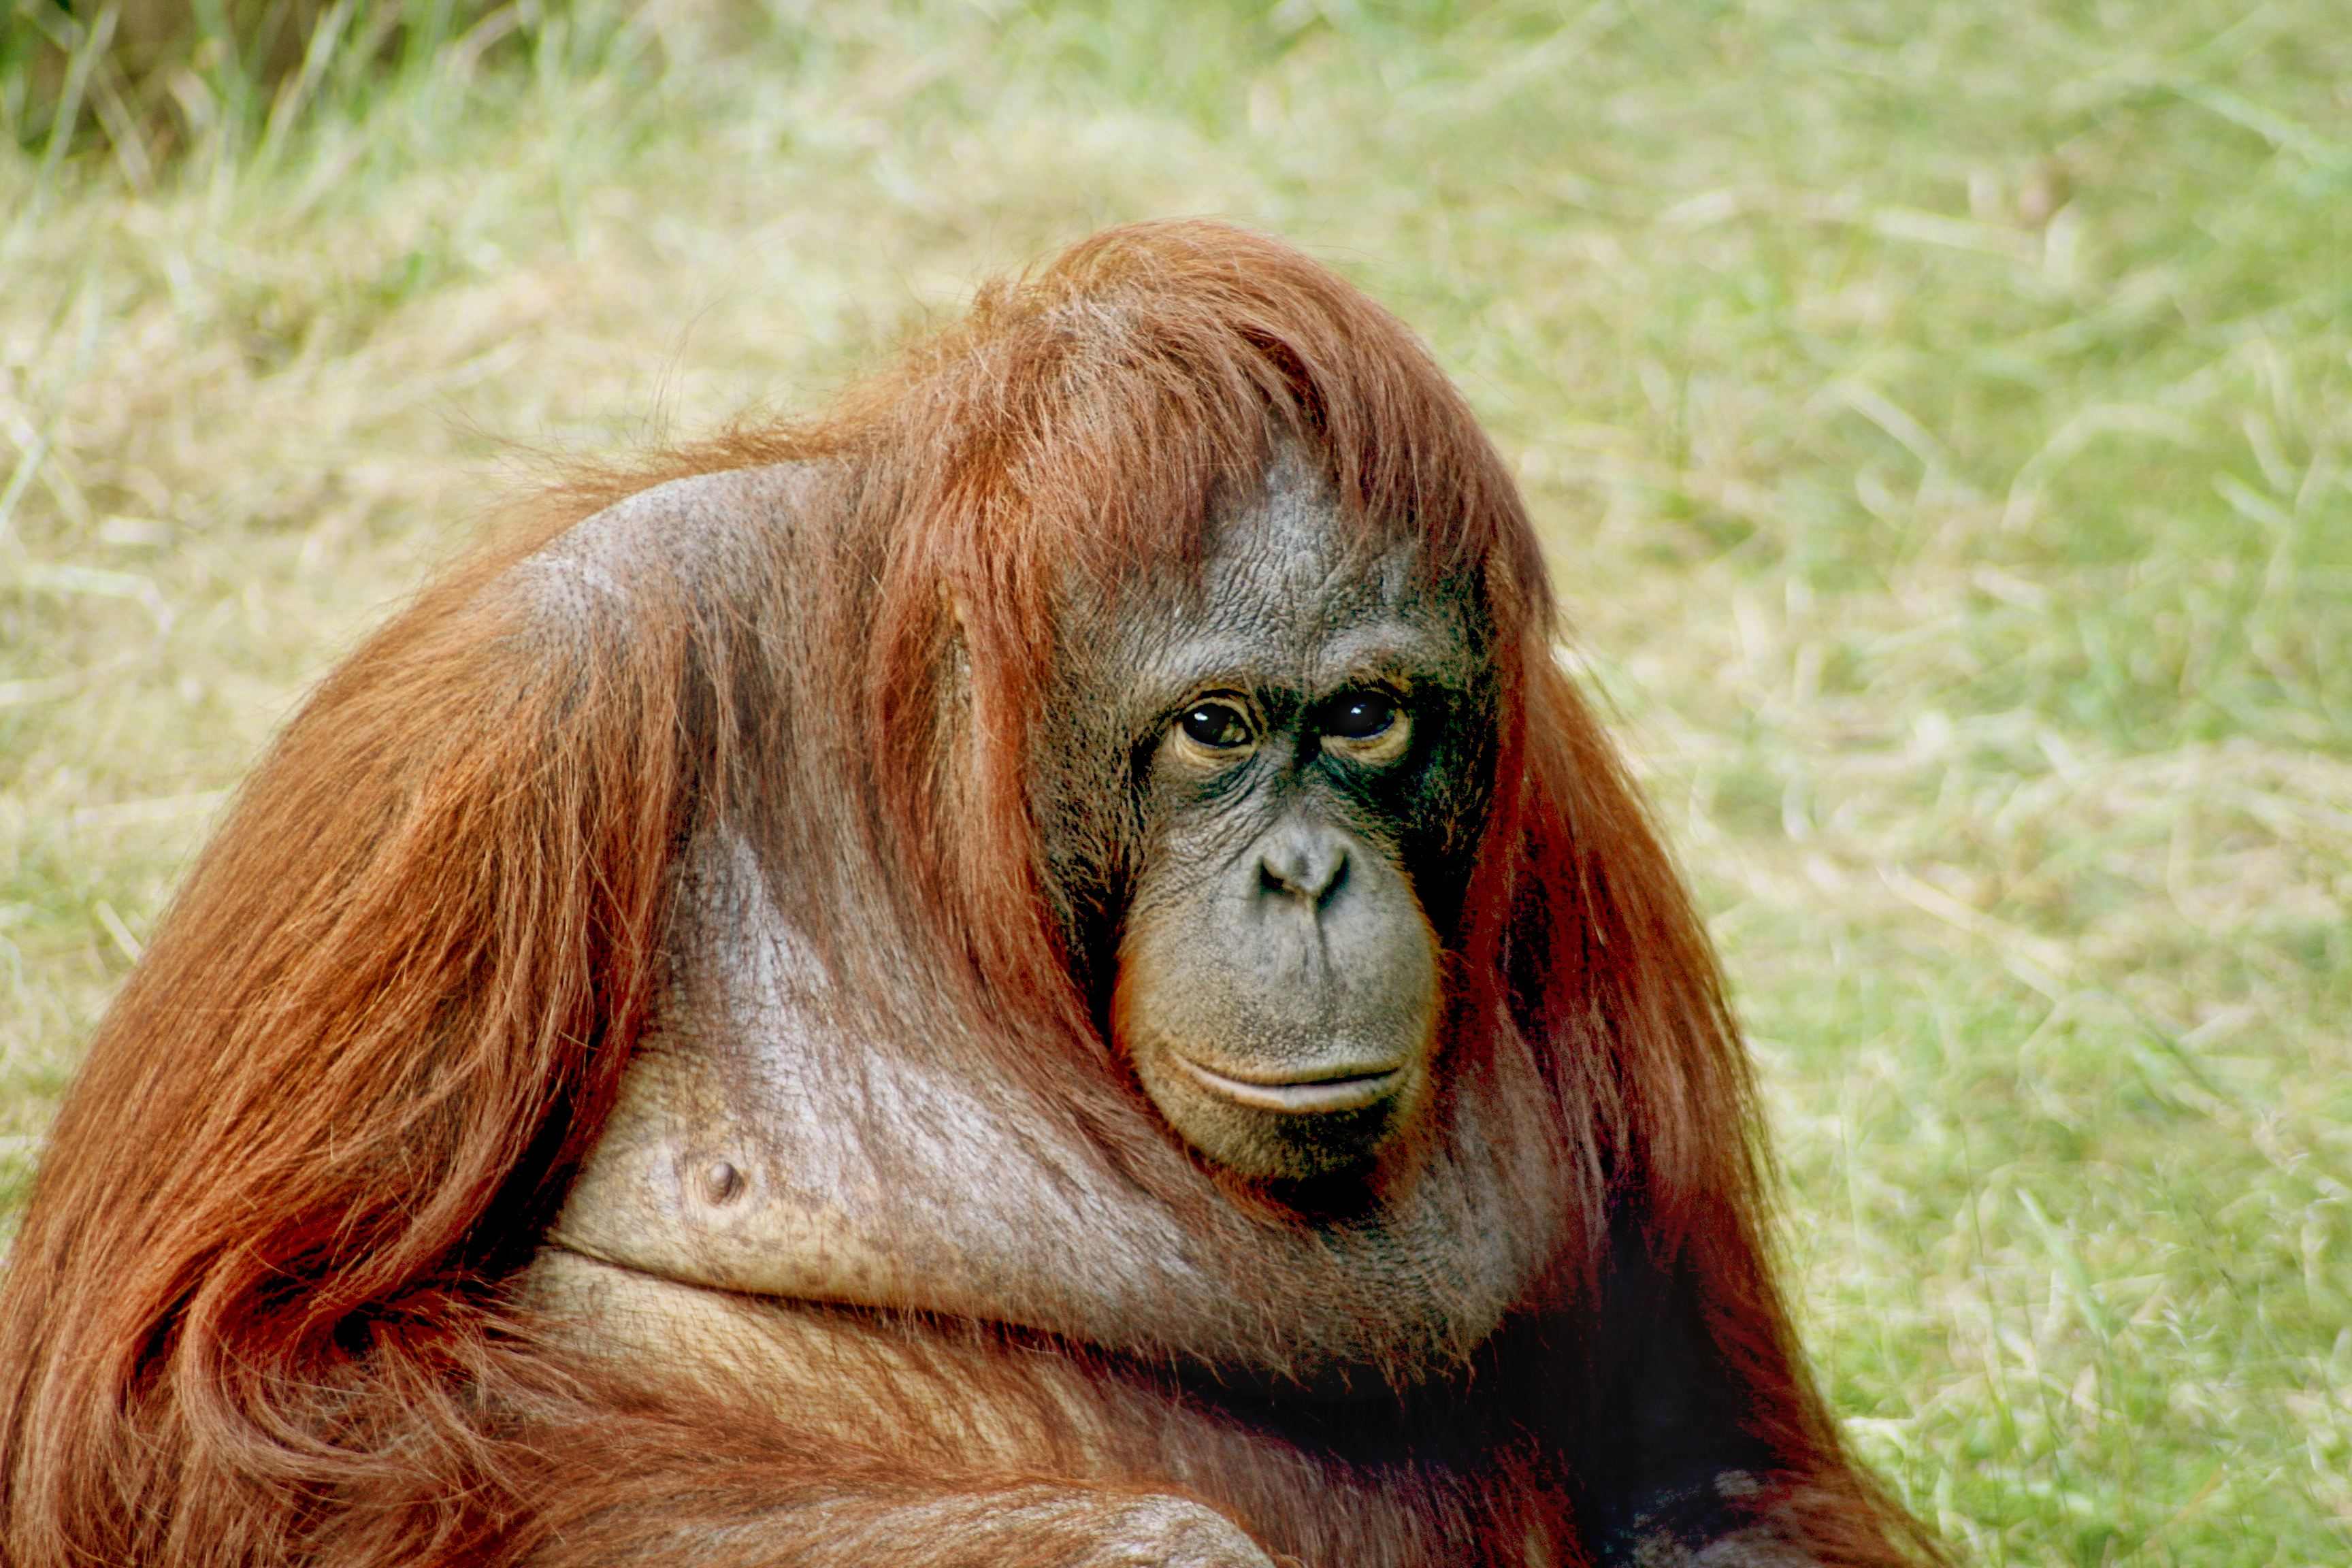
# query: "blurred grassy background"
1941, 415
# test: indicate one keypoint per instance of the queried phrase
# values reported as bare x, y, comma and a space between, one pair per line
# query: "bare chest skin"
767, 1143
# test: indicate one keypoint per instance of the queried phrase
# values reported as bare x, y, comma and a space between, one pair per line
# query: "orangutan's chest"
764, 1144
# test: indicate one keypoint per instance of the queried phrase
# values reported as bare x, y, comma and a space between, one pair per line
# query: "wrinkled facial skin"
1304, 743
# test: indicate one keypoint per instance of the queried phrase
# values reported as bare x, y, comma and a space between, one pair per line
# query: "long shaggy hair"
255, 1312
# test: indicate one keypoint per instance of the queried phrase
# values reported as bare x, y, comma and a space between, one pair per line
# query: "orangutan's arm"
735, 1521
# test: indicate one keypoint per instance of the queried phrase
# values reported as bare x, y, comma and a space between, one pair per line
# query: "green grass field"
1940, 415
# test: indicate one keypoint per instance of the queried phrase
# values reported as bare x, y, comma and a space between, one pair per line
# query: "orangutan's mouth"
1345, 1090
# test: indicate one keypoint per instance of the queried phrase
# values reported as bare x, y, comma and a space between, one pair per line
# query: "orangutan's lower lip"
1300, 1096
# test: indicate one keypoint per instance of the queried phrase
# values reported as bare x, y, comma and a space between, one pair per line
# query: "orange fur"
258, 1309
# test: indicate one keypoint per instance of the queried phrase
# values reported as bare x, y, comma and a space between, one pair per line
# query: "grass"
1941, 415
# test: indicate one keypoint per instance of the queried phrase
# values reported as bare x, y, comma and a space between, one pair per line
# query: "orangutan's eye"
1219, 726
1366, 727
1360, 715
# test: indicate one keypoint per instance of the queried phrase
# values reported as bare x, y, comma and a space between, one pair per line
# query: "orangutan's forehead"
1290, 546
1293, 591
